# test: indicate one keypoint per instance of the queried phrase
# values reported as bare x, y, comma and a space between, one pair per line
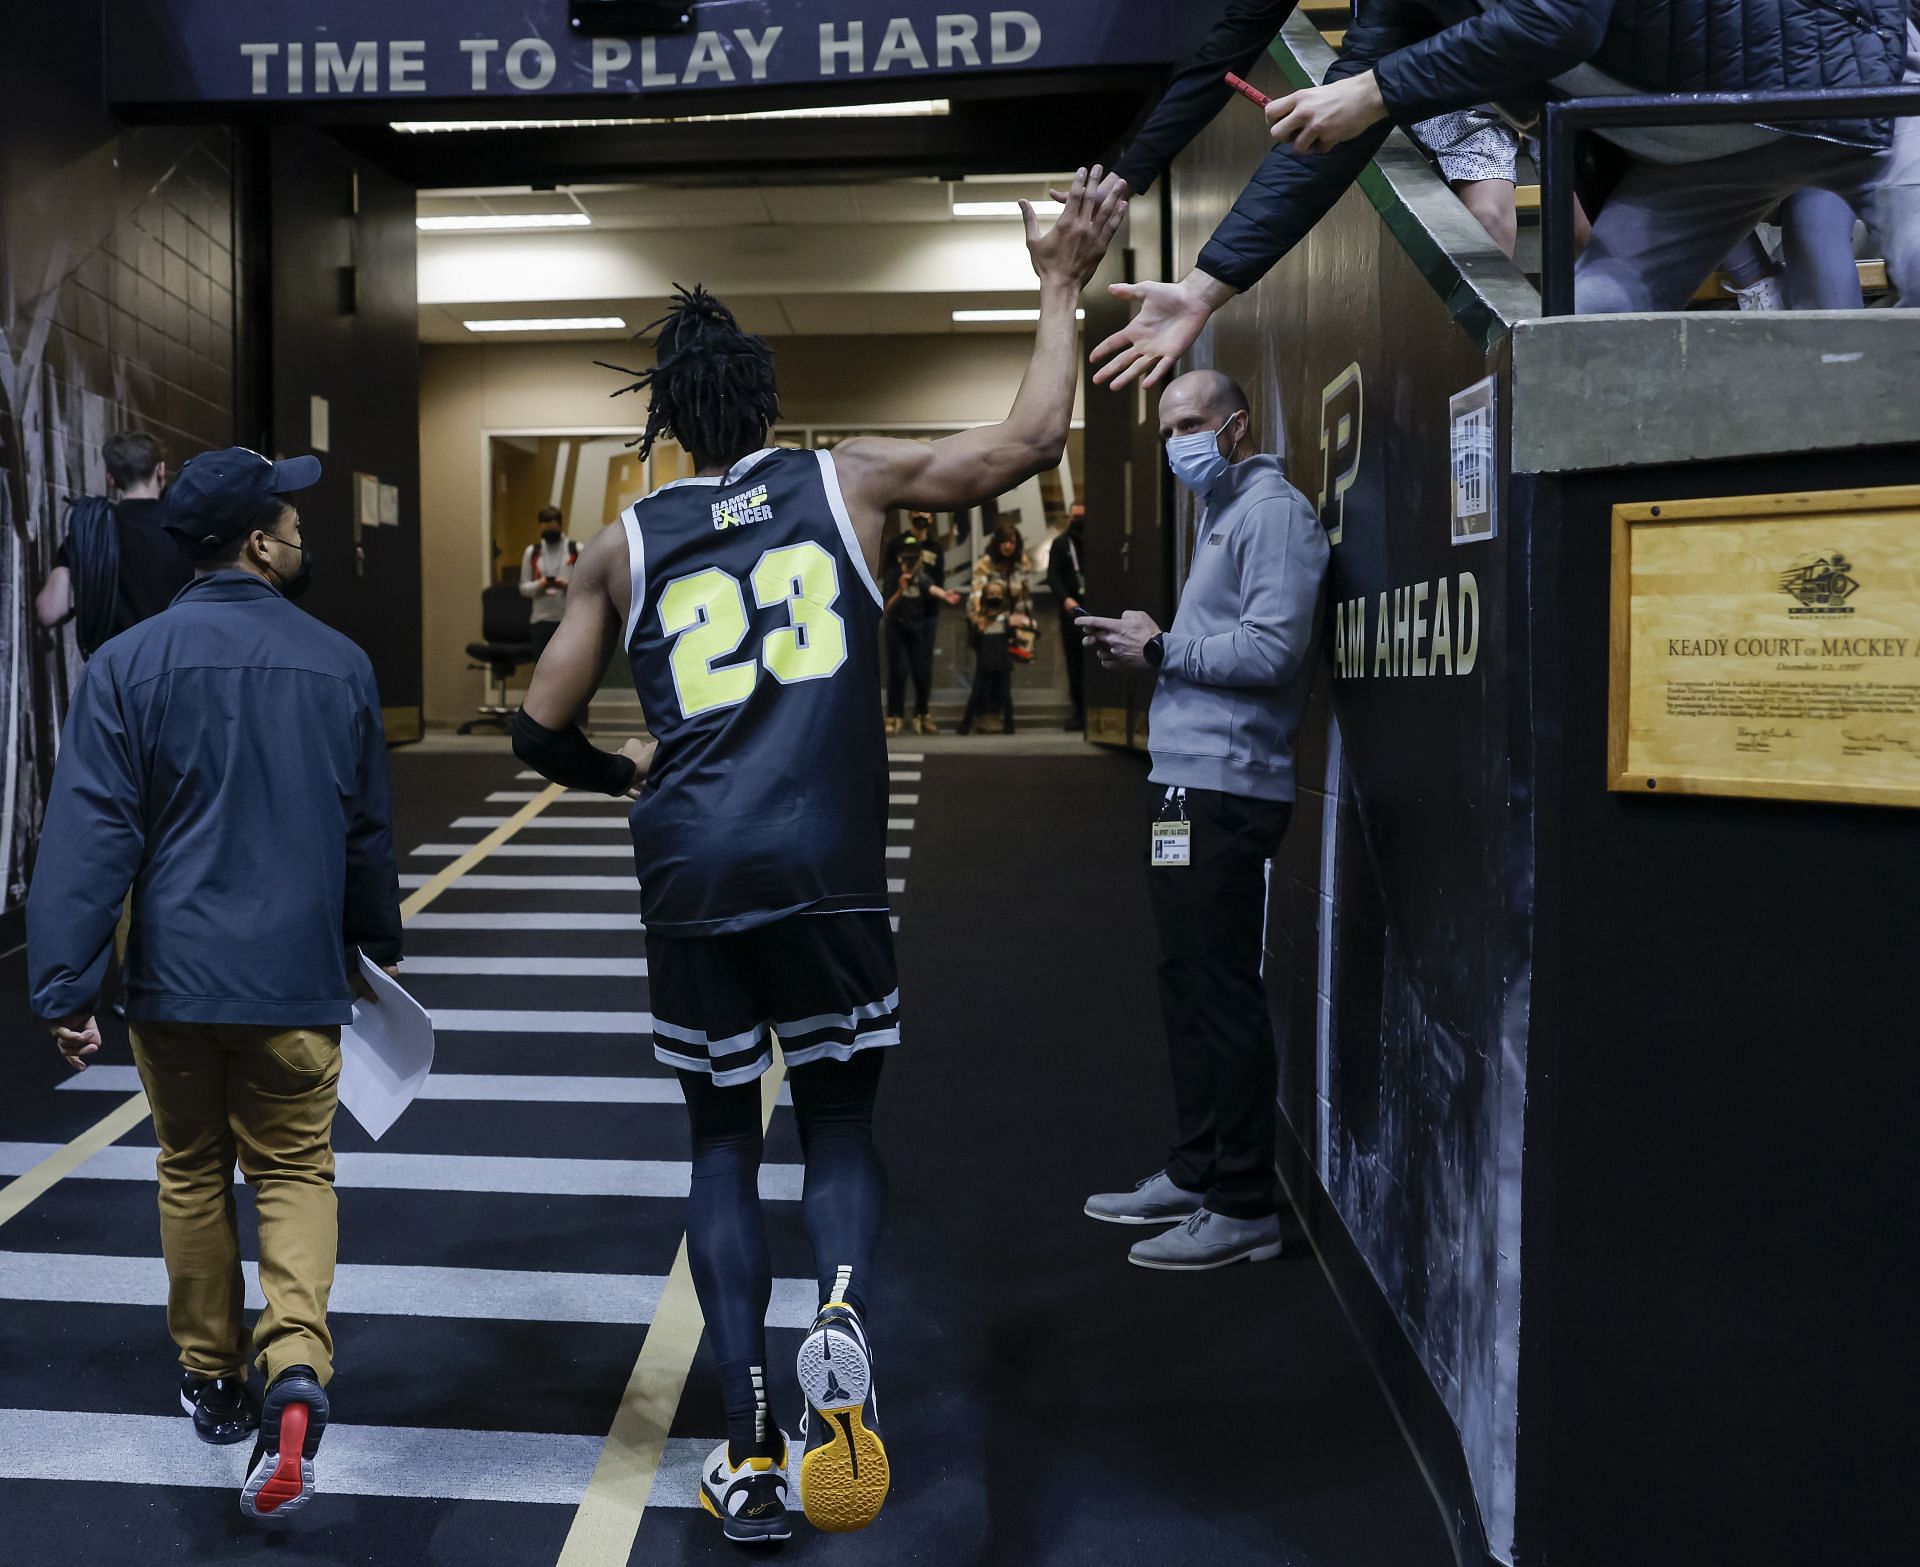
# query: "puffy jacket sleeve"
1290, 192
1245, 30
372, 913
91, 845
1507, 49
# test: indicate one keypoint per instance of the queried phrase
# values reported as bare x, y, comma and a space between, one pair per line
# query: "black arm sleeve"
566, 756
1242, 34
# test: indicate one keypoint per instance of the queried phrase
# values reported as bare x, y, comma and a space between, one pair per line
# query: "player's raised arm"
546, 731
876, 473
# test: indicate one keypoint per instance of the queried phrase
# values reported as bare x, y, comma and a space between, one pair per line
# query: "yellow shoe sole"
844, 1482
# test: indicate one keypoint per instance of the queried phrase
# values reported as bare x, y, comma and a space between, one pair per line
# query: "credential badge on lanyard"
1172, 832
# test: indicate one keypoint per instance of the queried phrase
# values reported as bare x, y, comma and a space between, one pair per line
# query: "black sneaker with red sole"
293, 1418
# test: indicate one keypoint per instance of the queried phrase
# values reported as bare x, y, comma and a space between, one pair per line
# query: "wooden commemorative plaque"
1767, 645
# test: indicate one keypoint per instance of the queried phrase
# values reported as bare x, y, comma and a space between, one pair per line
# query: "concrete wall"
467, 392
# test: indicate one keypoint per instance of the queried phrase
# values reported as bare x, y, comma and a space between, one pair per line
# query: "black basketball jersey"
754, 643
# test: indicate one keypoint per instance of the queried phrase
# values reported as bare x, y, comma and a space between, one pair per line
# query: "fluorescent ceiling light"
916, 109
481, 222
1007, 315
1003, 209
549, 324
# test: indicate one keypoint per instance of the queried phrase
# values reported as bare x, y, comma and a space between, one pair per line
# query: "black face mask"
551, 535
292, 588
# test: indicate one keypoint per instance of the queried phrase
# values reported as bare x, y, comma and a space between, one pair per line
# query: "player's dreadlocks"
712, 384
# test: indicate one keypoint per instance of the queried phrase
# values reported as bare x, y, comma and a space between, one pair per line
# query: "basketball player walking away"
745, 599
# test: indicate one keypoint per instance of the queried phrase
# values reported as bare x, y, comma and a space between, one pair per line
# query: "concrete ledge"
1638, 390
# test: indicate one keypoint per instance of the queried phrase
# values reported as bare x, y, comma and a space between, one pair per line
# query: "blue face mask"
1196, 459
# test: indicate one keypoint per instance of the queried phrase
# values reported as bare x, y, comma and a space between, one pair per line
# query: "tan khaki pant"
265, 1096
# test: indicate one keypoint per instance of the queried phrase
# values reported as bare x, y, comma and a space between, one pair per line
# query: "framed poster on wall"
1767, 645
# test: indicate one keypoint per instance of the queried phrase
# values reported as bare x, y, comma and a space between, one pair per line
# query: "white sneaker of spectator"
1762, 295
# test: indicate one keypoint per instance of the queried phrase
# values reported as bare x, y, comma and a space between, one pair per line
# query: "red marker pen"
1248, 91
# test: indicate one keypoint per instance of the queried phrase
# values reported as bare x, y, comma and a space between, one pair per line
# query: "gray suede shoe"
1209, 1240
1156, 1200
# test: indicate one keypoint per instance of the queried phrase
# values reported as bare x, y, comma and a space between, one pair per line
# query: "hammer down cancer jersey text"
754, 643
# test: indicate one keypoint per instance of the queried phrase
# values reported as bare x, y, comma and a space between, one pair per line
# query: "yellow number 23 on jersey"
706, 614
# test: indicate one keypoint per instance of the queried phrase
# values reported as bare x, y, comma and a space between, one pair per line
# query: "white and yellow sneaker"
844, 1475
749, 1499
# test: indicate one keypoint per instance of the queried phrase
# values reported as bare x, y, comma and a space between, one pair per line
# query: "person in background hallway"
759, 830
913, 577
117, 565
1233, 675
225, 761
1000, 605
545, 570
1067, 579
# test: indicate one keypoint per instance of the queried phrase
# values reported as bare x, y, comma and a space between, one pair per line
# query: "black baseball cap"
220, 495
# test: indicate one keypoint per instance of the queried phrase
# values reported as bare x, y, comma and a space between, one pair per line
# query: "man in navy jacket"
225, 761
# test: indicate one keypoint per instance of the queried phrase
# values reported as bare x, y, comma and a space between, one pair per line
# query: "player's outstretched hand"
1170, 317
1071, 251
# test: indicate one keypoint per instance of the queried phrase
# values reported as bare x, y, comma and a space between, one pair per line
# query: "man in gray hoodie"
1234, 672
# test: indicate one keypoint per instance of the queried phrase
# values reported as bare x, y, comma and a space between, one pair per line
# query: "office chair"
506, 632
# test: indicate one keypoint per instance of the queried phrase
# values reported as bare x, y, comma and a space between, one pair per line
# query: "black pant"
842, 1203
1209, 915
992, 688
1071, 641
910, 647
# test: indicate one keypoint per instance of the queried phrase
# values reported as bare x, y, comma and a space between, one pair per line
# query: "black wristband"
1155, 652
566, 756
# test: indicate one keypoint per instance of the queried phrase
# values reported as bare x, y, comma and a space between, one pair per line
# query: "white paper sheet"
386, 1052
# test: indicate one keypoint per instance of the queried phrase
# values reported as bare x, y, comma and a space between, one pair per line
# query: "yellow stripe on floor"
104, 1133
608, 1519
26, 1189
452, 873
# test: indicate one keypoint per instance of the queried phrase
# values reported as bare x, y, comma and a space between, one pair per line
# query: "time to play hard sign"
1768, 645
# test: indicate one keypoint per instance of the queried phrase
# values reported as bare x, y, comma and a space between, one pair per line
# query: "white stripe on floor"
547, 823
892, 799
420, 1172
473, 882
906, 756
898, 851
571, 797
526, 922
531, 967
383, 1290
899, 824
409, 1461
531, 851
512, 1087
416, 1462
457, 1020
905, 777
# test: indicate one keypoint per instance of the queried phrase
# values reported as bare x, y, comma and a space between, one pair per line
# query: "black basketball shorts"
824, 985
